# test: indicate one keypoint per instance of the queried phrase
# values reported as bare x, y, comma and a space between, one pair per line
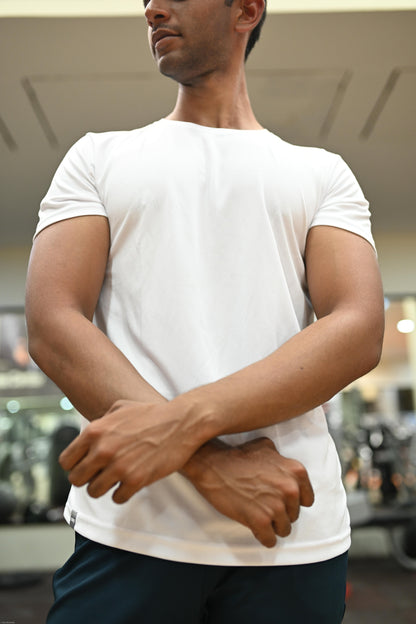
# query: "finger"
102, 483
281, 523
90, 466
123, 493
121, 470
266, 537
83, 473
293, 510
261, 527
282, 526
74, 452
289, 490
89, 454
130, 480
307, 495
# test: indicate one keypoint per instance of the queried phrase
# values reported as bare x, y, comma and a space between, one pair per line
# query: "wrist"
199, 416
202, 459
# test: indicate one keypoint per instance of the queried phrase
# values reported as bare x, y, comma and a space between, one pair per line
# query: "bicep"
67, 266
342, 274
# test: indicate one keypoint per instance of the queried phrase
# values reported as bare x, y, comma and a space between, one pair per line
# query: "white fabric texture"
205, 276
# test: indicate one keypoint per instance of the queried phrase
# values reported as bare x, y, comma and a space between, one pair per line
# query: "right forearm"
85, 364
252, 484
94, 375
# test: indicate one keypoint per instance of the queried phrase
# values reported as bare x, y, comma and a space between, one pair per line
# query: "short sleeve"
72, 192
343, 204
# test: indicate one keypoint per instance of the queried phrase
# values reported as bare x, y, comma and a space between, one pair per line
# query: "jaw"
190, 68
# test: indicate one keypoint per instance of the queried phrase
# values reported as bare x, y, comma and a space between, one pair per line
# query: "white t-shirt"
205, 276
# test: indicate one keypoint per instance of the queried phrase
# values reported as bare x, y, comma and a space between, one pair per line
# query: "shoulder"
312, 157
97, 149
307, 167
114, 138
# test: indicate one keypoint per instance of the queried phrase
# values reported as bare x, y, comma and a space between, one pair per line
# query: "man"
207, 488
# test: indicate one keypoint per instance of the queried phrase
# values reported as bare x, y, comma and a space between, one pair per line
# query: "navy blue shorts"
110, 586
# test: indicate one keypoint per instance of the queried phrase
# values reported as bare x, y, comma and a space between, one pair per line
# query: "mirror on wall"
36, 423
374, 422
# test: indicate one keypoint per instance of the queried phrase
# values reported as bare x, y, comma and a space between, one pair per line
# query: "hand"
252, 484
133, 445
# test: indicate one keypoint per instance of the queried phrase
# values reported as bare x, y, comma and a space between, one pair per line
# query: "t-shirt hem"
220, 554
344, 226
88, 212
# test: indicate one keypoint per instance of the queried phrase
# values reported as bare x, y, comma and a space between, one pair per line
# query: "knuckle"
292, 491
117, 472
262, 521
253, 518
278, 507
123, 472
298, 469
93, 431
130, 480
103, 453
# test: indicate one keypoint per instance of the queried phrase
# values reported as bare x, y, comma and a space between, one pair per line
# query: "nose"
156, 11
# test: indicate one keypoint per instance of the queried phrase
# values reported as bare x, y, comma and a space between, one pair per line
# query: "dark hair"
255, 33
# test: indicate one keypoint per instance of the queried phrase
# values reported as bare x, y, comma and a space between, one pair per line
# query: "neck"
216, 101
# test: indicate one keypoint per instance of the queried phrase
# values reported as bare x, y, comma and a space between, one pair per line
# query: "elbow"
35, 345
33, 328
373, 356
362, 342
41, 332
371, 346
38, 337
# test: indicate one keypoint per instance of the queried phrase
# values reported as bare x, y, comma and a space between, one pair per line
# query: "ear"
249, 15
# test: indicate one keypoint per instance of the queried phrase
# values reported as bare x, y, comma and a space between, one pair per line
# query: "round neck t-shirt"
206, 275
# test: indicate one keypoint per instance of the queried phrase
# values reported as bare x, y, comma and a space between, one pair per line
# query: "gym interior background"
340, 75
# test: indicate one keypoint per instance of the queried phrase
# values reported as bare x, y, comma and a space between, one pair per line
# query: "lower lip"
166, 39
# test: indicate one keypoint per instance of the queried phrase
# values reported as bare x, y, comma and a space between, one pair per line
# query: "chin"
173, 72
179, 70
167, 67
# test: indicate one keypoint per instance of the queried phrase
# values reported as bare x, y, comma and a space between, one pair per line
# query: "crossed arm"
137, 437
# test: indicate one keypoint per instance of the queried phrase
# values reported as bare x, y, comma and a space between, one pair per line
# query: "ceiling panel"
6, 136
314, 79
67, 106
298, 103
393, 115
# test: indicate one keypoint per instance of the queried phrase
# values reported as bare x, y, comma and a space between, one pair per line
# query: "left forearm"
136, 443
302, 374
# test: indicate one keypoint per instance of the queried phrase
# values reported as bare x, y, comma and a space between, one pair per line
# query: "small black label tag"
73, 519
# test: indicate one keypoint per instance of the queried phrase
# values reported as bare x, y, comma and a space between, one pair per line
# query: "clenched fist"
132, 445
252, 484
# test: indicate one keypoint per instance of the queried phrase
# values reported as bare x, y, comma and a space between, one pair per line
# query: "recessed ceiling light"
65, 404
406, 326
